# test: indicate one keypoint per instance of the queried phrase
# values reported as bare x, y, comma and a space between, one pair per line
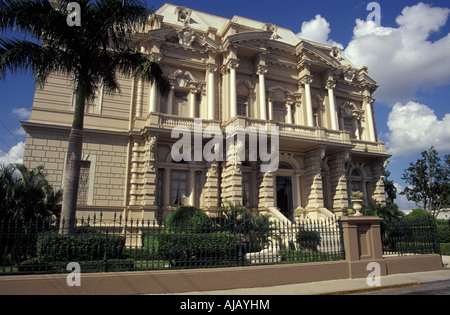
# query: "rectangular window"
279, 112
180, 103
246, 195
178, 188
242, 104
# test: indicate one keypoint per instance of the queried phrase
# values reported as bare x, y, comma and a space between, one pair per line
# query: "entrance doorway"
285, 200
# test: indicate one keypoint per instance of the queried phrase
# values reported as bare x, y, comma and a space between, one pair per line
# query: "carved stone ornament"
271, 28
186, 36
336, 53
349, 74
184, 15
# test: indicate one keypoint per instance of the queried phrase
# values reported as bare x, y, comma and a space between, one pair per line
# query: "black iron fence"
119, 244
406, 236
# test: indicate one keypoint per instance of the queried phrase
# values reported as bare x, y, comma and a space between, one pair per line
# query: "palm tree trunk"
73, 164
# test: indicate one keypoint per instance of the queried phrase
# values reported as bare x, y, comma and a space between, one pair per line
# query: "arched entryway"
285, 201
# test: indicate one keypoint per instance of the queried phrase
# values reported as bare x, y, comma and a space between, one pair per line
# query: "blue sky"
408, 55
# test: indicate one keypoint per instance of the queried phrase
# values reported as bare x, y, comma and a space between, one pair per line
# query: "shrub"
83, 246
445, 249
443, 230
186, 246
188, 219
308, 239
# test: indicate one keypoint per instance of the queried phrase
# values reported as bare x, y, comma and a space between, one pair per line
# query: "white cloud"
318, 30
414, 128
401, 201
15, 154
21, 113
20, 132
403, 60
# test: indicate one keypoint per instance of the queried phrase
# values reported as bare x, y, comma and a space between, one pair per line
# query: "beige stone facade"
236, 72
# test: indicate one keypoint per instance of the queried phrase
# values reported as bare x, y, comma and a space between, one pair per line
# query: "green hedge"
33, 266
445, 249
443, 230
305, 256
308, 239
179, 246
188, 219
82, 246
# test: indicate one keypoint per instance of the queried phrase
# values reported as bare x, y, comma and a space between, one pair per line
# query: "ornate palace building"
237, 72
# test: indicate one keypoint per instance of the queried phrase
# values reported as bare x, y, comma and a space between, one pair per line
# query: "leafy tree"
386, 212
428, 182
389, 188
92, 53
26, 194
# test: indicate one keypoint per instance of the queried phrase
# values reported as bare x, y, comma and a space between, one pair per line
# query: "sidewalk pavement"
344, 286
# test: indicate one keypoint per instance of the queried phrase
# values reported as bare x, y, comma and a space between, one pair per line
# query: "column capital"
233, 64
331, 85
368, 100
307, 79
262, 70
211, 68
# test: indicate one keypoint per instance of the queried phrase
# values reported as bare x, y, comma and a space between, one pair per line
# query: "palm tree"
91, 53
26, 194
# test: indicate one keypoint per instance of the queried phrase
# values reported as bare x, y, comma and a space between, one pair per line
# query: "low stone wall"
362, 242
179, 281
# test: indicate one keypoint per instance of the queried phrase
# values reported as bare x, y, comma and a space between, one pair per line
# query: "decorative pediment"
350, 110
279, 92
184, 79
186, 36
328, 55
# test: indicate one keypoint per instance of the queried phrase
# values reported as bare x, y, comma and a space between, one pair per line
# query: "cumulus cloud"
318, 30
401, 201
15, 154
403, 59
414, 127
21, 113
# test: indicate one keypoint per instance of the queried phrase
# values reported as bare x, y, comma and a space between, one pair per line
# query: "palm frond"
41, 61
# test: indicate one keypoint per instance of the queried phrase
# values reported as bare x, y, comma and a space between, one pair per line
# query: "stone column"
266, 191
338, 181
233, 93
331, 85
211, 91
153, 96
262, 70
149, 180
313, 177
211, 189
140, 92
379, 194
368, 103
134, 173
270, 103
306, 81
232, 182
289, 113
192, 100
170, 100
356, 127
